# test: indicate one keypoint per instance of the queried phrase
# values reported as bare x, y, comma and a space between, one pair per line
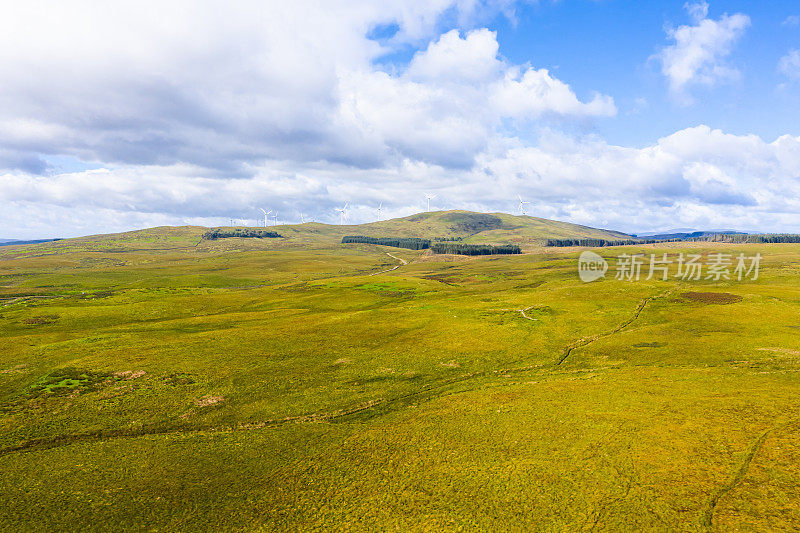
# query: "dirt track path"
707, 519
402, 263
580, 343
426, 392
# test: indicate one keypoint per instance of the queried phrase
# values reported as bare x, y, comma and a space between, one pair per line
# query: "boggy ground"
153, 381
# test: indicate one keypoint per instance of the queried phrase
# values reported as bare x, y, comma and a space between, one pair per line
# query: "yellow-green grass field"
157, 381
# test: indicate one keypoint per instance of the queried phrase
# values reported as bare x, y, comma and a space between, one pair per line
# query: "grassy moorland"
157, 381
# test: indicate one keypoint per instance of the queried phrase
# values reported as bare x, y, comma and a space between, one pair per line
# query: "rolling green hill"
472, 228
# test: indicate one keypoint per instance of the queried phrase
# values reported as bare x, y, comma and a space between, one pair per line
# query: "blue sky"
608, 46
631, 115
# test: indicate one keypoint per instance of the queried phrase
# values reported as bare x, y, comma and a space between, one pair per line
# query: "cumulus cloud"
210, 83
510, 91
698, 54
448, 104
535, 93
453, 59
789, 65
699, 176
226, 86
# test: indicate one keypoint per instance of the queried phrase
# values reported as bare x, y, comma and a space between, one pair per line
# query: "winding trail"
403, 262
427, 392
585, 341
58, 441
423, 393
707, 519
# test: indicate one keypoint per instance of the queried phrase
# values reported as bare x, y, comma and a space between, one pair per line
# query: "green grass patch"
241, 384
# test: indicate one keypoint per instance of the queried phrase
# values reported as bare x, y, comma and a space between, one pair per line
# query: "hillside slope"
469, 227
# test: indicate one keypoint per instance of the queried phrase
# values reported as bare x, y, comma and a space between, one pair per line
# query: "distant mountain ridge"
14, 242
466, 227
687, 233
690, 235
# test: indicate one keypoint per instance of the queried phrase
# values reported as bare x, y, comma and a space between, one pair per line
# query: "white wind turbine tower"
342, 213
275, 216
302, 218
265, 215
380, 210
522, 204
429, 197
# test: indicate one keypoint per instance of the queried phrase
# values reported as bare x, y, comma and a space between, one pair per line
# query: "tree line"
225, 233
739, 238
596, 243
474, 249
733, 238
442, 247
411, 243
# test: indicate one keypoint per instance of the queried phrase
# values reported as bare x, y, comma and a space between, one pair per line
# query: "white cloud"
453, 59
695, 177
697, 56
789, 65
512, 91
254, 80
712, 185
447, 106
535, 93
697, 12
406, 119
791, 21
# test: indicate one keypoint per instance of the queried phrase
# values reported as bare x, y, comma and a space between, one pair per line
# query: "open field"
156, 381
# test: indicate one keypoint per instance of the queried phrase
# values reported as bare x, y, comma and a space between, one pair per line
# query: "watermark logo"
689, 267
591, 266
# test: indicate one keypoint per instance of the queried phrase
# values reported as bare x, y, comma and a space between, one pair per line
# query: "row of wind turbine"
344, 210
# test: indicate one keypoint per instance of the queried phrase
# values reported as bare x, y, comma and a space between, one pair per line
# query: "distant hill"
14, 242
689, 235
470, 227
466, 227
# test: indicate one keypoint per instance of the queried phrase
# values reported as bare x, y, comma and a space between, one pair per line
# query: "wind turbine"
275, 216
265, 215
522, 205
342, 213
380, 210
302, 218
429, 197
